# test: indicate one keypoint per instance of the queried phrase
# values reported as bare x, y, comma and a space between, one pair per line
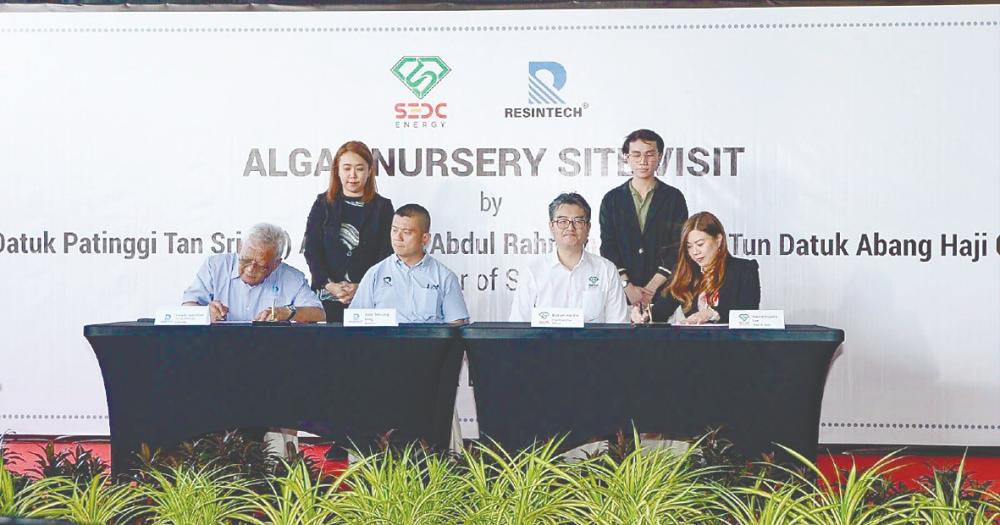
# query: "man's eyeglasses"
253, 264
648, 156
563, 223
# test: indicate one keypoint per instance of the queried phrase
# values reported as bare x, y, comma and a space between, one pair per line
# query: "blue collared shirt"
219, 280
426, 293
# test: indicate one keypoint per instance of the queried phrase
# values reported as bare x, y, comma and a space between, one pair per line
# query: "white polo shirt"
593, 285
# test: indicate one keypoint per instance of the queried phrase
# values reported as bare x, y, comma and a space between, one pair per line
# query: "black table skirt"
762, 386
169, 384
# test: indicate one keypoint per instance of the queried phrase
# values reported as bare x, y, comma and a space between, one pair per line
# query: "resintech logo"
546, 80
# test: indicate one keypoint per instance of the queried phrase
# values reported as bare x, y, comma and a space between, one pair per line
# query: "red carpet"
978, 468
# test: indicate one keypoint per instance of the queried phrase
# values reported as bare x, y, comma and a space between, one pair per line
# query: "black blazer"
740, 291
642, 253
327, 256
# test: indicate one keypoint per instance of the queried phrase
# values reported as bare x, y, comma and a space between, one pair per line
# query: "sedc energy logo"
420, 75
545, 99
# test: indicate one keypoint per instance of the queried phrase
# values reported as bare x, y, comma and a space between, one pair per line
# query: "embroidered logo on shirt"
387, 280
433, 286
594, 281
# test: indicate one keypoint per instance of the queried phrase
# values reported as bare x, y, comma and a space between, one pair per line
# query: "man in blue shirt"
421, 289
255, 284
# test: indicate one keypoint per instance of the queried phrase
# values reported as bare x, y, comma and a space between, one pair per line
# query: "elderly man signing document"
255, 284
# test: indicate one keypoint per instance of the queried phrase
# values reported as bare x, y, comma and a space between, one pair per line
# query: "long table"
169, 384
762, 386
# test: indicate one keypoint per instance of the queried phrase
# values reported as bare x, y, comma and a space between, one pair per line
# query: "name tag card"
556, 317
757, 319
370, 317
183, 316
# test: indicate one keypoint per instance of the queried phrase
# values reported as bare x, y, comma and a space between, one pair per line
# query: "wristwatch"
291, 311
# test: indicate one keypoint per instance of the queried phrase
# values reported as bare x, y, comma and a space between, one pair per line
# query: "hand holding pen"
216, 310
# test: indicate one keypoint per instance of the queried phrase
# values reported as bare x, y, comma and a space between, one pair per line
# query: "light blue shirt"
219, 280
427, 293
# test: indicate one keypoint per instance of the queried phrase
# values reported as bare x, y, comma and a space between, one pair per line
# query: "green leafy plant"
13, 482
21, 498
846, 499
226, 478
187, 495
97, 501
404, 487
295, 498
950, 497
532, 486
763, 503
645, 487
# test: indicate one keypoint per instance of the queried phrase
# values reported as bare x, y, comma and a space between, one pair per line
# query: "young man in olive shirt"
641, 221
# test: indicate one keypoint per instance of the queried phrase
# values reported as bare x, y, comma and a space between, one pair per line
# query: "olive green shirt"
641, 205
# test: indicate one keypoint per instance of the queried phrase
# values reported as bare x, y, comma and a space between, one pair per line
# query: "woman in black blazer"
347, 231
708, 282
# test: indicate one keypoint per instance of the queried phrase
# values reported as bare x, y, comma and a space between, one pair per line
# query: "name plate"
370, 317
183, 316
757, 319
556, 317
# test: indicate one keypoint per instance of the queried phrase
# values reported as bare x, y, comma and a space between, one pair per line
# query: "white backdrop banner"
854, 152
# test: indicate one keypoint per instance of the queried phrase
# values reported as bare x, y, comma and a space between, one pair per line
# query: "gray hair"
266, 234
569, 198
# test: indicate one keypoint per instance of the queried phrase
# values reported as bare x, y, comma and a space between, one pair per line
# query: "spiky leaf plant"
956, 501
532, 486
655, 486
20, 498
399, 487
845, 499
296, 498
193, 496
97, 502
763, 503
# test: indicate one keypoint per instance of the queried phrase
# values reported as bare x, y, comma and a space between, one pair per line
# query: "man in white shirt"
571, 277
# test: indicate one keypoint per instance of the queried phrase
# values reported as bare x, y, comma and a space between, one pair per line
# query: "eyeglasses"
247, 262
563, 223
649, 156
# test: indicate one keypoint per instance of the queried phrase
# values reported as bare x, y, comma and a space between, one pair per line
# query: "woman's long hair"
336, 189
689, 281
